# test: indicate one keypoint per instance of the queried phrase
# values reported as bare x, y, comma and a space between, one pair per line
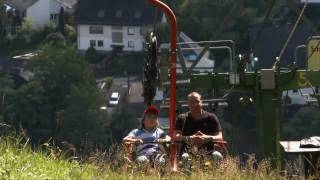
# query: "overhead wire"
291, 34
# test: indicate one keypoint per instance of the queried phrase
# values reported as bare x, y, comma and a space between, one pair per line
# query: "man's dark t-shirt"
208, 124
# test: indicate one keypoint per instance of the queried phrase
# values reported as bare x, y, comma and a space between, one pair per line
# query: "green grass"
19, 161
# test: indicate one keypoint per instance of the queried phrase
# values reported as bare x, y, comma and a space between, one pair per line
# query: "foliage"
55, 39
18, 161
6, 93
120, 123
61, 22
62, 100
210, 20
109, 81
39, 34
23, 37
92, 56
30, 110
305, 123
3, 19
82, 120
70, 33
132, 63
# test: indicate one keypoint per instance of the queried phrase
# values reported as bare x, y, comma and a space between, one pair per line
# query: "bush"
70, 33
55, 39
92, 56
109, 81
41, 33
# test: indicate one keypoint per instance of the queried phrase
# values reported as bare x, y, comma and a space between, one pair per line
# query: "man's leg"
217, 156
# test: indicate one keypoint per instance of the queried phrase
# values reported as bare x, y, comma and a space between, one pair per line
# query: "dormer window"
137, 14
118, 13
101, 13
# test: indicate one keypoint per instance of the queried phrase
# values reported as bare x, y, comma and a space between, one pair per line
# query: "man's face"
195, 104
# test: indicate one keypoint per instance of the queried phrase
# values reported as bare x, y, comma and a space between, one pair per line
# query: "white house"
113, 24
40, 12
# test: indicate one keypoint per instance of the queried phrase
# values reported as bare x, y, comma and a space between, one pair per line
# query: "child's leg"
142, 159
160, 159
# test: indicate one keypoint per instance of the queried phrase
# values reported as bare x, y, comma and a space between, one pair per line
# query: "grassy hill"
19, 161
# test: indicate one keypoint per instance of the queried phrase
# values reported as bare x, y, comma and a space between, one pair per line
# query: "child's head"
150, 118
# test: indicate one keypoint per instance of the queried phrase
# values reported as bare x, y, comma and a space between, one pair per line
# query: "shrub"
92, 56
55, 39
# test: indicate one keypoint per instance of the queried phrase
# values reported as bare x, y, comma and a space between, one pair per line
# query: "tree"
305, 123
91, 55
55, 39
3, 18
211, 20
30, 110
70, 90
82, 119
61, 22
120, 123
6, 93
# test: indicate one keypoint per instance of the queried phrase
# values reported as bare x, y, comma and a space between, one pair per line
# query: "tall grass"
19, 161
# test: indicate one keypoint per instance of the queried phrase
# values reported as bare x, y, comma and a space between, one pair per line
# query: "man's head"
195, 103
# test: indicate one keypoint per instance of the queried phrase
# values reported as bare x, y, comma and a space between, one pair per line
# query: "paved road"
134, 100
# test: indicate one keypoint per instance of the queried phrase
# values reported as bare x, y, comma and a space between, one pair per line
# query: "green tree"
61, 22
6, 93
31, 111
55, 39
120, 123
3, 19
91, 55
70, 90
82, 119
210, 20
305, 123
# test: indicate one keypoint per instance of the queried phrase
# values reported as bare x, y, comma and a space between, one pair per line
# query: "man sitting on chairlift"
198, 128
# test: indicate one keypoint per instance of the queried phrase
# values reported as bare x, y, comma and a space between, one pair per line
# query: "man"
198, 127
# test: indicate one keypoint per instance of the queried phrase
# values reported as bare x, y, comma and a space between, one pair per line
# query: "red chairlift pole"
173, 76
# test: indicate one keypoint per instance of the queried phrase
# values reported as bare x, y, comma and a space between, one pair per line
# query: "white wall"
39, 12
84, 38
54, 7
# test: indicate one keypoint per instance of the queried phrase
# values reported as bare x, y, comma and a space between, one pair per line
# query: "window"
142, 31
137, 14
100, 43
118, 13
116, 28
130, 31
54, 17
101, 13
117, 37
96, 30
130, 44
92, 43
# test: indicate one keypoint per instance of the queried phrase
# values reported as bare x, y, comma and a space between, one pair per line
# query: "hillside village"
73, 70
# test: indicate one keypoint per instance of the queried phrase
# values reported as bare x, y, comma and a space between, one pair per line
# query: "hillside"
19, 161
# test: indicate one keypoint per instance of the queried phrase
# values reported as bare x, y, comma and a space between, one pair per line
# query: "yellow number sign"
314, 53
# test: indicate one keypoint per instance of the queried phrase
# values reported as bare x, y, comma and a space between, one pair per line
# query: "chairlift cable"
291, 33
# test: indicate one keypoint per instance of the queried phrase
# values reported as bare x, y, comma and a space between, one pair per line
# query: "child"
148, 137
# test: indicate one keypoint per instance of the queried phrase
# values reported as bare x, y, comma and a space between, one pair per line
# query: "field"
19, 161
